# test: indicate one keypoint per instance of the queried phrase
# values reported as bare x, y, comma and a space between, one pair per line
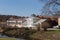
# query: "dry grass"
7, 39
48, 35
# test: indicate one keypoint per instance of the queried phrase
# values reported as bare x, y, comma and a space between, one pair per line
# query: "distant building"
14, 22
30, 22
59, 21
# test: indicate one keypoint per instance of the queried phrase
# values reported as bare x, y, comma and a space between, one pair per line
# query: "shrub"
45, 25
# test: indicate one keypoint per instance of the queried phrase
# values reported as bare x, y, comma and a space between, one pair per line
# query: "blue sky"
20, 7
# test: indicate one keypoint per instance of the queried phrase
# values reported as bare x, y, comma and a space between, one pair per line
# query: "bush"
45, 25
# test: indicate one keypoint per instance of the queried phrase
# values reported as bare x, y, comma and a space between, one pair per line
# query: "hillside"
3, 18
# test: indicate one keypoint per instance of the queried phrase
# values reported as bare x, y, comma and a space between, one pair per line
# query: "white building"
32, 22
14, 22
29, 22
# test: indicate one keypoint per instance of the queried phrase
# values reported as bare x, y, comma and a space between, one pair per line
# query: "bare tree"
57, 14
51, 7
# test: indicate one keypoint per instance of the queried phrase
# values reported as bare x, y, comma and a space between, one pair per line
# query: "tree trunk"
45, 28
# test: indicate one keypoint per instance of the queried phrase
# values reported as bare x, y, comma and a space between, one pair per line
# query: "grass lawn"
47, 35
7, 39
52, 31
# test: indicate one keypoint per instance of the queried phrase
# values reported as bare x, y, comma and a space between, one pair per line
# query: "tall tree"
51, 7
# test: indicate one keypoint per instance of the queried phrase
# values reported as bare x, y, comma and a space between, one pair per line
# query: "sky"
20, 7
